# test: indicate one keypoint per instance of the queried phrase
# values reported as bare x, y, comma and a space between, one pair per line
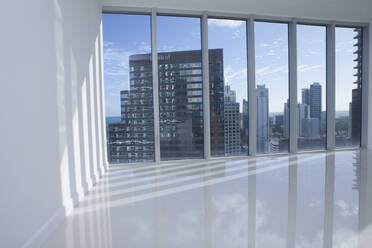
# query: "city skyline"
117, 49
181, 135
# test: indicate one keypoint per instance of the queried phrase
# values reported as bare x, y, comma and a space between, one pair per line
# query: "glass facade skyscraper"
316, 101
262, 105
355, 105
180, 108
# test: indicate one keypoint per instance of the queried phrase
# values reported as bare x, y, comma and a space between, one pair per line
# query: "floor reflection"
307, 200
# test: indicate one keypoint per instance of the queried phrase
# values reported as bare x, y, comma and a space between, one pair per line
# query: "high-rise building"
305, 96
245, 121
310, 128
310, 112
286, 120
274, 145
132, 139
216, 100
262, 105
315, 101
350, 122
180, 108
303, 113
357, 92
110, 121
278, 120
232, 122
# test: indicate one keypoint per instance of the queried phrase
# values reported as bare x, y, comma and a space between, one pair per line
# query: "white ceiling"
341, 10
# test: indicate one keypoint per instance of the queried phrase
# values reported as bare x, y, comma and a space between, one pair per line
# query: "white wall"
49, 76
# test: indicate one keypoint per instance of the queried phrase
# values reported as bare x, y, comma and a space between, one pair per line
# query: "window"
311, 87
180, 88
348, 86
228, 87
272, 101
128, 75
128, 88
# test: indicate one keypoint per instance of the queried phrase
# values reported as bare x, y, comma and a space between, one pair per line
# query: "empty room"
190, 124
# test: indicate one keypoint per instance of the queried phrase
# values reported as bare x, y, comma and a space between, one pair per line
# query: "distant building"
109, 121
303, 113
274, 145
216, 99
245, 121
350, 123
231, 122
278, 120
309, 112
132, 140
310, 128
262, 105
306, 96
286, 120
356, 115
316, 101
180, 108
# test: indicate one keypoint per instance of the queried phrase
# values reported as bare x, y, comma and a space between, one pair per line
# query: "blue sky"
130, 34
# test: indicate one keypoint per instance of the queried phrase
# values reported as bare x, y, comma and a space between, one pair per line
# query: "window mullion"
331, 70
292, 50
206, 100
155, 86
251, 87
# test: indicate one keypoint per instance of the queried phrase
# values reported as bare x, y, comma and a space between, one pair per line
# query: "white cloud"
262, 213
230, 224
262, 70
107, 43
188, 217
269, 239
271, 52
116, 60
229, 202
168, 48
315, 204
225, 23
144, 47
312, 52
303, 68
270, 70
231, 74
274, 47
345, 209
307, 241
236, 34
345, 238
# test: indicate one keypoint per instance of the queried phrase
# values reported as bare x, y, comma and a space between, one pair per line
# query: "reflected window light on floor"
215, 204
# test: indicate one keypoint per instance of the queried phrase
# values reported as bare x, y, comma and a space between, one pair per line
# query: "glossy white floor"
309, 200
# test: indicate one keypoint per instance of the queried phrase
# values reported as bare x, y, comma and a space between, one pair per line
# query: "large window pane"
228, 87
348, 86
311, 94
180, 88
128, 88
271, 47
